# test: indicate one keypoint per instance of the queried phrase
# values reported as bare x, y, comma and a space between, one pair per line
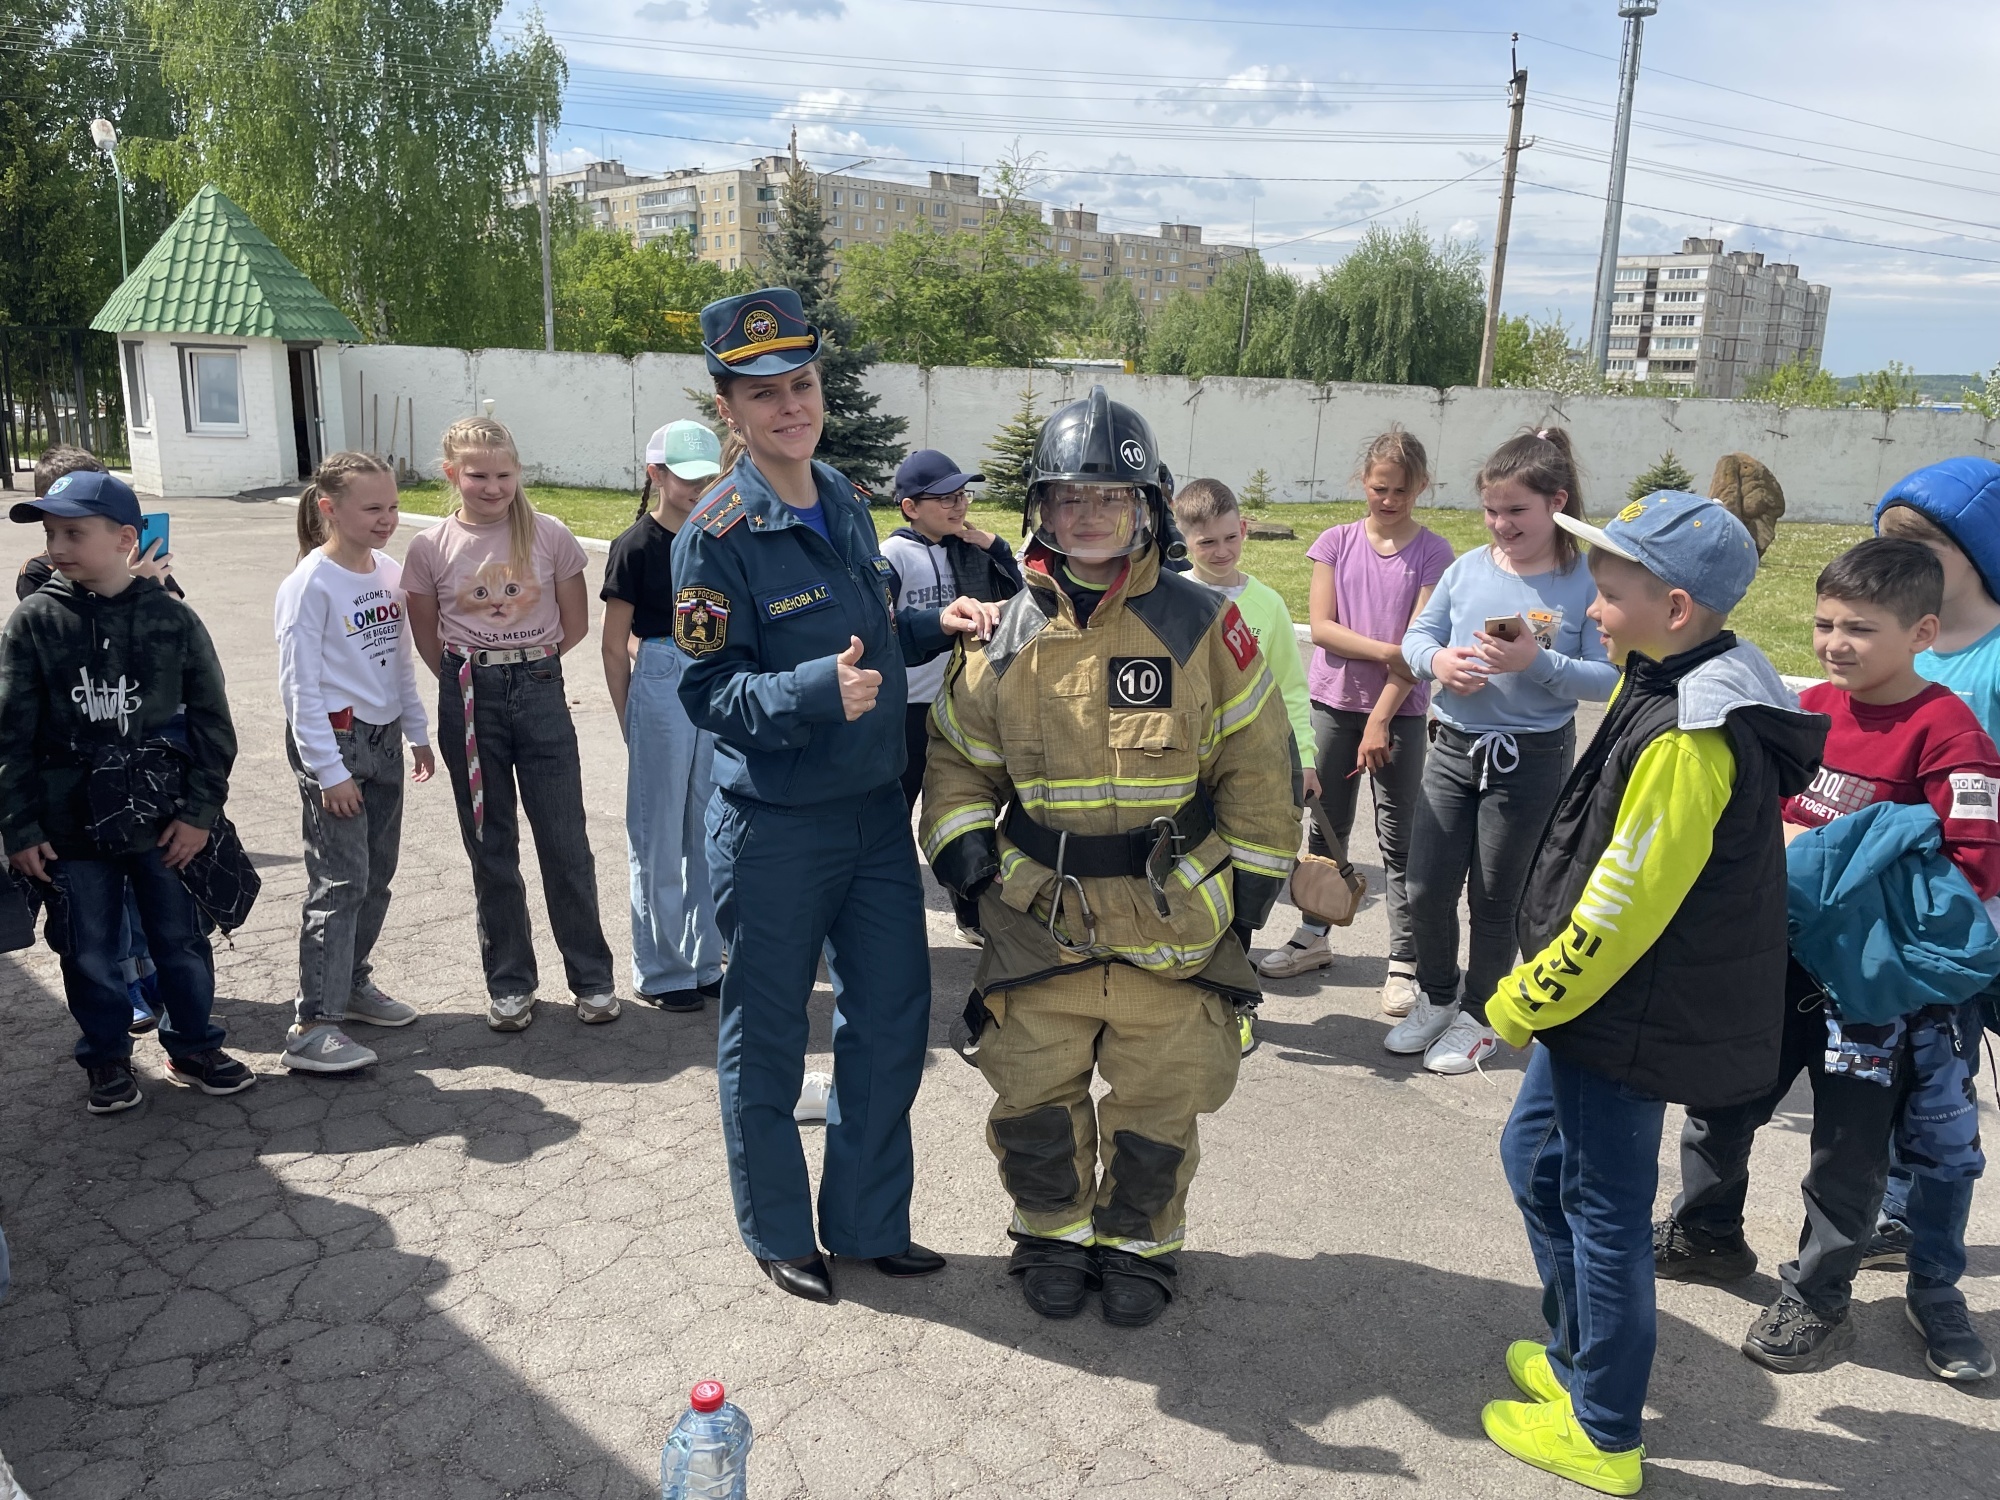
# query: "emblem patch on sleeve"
701, 620
1141, 682
1972, 796
1237, 637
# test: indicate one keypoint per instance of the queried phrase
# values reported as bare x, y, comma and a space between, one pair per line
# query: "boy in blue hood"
1954, 509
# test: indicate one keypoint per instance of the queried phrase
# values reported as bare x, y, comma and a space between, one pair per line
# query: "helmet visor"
1090, 522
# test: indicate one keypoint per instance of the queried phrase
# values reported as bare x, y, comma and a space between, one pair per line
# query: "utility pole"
795, 150
1249, 270
1635, 13
1517, 100
548, 271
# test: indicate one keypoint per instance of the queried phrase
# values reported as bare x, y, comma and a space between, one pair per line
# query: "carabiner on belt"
1065, 881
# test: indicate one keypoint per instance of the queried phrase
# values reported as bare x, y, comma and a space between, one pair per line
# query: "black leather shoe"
809, 1278
1055, 1275
915, 1261
1137, 1288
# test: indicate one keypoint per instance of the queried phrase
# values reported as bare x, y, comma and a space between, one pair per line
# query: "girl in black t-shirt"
676, 949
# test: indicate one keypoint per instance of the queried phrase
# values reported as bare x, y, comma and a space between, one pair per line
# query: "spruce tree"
1013, 450
1256, 491
862, 443
1667, 474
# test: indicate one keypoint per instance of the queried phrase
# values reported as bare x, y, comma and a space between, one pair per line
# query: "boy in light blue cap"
1654, 927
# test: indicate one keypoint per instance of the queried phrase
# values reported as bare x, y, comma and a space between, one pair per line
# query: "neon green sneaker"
1528, 1366
1246, 1038
1545, 1434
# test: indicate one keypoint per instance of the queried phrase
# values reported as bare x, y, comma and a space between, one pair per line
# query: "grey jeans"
528, 762
1483, 811
349, 864
1397, 788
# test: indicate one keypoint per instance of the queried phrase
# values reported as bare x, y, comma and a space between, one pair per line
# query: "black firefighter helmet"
1094, 452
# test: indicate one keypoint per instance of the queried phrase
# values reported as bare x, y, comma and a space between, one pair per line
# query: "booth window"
135, 386
212, 389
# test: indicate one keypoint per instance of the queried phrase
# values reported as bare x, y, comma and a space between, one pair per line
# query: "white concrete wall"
583, 419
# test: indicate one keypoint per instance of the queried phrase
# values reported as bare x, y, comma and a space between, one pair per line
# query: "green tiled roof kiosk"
223, 344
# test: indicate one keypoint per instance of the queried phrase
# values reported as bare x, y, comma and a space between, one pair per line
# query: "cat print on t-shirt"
496, 598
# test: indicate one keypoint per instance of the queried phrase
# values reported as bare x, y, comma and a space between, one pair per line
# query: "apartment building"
728, 212
1710, 320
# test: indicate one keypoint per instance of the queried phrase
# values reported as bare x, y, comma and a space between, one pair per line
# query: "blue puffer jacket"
1882, 918
1962, 497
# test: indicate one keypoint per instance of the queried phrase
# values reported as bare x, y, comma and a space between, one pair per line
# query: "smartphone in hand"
1504, 627
153, 527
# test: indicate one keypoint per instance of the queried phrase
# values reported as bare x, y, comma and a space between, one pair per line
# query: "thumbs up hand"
858, 685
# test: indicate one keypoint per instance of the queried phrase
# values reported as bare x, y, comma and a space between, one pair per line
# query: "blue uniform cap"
759, 333
929, 472
1961, 497
84, 493
1686, 541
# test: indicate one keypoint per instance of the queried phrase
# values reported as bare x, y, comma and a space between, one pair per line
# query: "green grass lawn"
1777, 614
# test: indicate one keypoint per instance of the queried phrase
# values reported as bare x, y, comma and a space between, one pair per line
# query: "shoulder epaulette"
721, 510
1178, 612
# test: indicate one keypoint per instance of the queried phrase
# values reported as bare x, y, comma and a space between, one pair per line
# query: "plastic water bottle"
705, 1454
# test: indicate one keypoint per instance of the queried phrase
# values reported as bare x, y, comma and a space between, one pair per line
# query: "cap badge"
760, 324
1633, 511
61, 484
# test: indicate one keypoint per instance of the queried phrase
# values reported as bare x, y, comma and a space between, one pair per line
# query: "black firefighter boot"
1055, 1275
1137, 1288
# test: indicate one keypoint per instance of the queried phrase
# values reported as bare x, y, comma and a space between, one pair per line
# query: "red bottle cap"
707, 1396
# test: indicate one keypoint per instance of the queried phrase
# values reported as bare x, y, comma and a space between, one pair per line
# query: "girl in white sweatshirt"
347, 673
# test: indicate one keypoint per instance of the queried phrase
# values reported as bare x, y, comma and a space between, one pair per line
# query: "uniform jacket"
762, 606
85, 680
1883, 919
1654, 912
1163, 696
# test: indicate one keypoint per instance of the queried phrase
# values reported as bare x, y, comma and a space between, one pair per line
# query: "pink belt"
474, 781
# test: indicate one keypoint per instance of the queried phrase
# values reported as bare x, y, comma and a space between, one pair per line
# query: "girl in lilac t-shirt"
1370, 579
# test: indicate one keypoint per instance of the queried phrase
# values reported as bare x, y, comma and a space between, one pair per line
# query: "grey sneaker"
324, 1048
595, 1010
371, 1007
510, 1012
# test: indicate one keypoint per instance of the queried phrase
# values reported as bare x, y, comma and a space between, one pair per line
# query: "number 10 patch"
1142, 682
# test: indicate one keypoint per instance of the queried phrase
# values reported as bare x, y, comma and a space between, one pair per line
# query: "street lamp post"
1635, 13
105, 134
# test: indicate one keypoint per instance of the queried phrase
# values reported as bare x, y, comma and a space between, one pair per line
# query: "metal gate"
58, 385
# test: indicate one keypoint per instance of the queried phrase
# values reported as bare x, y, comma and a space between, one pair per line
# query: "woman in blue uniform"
796, 666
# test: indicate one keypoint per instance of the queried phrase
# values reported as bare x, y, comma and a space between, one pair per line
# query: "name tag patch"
802, 600
1972, 796
1142, 682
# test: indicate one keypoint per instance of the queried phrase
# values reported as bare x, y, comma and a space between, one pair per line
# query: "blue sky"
1844, 136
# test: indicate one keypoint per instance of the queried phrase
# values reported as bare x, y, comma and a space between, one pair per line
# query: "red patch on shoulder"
1237, 637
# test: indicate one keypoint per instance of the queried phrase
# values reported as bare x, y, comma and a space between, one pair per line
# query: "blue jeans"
93, 896
675, 943
1582, 1155
1933, 1206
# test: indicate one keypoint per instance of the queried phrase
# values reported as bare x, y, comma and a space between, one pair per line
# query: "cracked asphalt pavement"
493, 1265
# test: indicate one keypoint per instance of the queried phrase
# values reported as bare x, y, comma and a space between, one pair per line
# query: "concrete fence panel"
572, 415
660, 386
431, 388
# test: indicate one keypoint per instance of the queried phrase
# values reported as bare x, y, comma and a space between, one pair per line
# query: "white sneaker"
510, 1012
1424, 1024
813, 1096
319, 1048
594, 1010
1465, 1044
1399, 994
1306, 951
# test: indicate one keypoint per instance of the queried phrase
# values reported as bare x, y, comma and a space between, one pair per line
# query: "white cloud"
750, 13
1258, 95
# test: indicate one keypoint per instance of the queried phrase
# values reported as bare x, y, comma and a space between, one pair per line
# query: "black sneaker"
112, 1088
1889, 1247
1791, 1338
1951, 1348
1684, 1254
675, 1000
213, 1072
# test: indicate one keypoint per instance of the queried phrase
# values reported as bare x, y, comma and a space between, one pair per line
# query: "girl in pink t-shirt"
1370, 578
496, 596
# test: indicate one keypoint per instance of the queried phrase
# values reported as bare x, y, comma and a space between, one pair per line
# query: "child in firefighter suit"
1128, 718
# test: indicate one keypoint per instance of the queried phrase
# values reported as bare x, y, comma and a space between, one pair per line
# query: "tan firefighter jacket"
1161, 699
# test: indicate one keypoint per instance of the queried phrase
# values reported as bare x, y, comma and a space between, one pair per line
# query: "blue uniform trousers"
670, 780
788, 881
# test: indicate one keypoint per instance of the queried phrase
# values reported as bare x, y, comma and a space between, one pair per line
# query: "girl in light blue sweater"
1504, 735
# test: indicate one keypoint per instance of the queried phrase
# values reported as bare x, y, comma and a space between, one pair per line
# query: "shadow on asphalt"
185, 1324
1265, 1348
